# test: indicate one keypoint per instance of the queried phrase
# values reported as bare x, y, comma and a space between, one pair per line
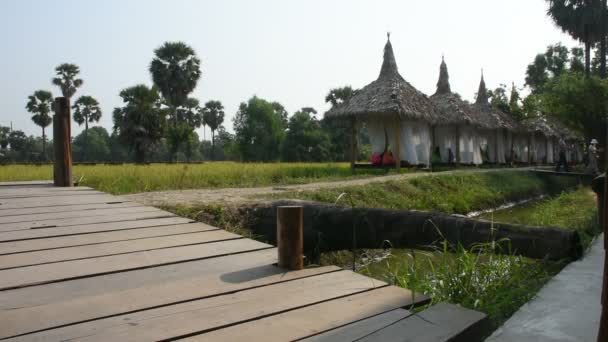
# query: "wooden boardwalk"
78, 264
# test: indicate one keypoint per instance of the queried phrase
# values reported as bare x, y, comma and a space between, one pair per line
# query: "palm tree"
66, 79
213, 116
40, 105
583, 20
175, 71
140, 122
86, 109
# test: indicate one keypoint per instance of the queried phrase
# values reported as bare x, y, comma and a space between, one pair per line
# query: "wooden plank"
90, 228
79, 213
231, 269
27, 183
66, 208
41, 190
31, 275
74, 311
95, 238
112, 248
50, 194
359, 329
211, 313
441, 322
20, 203
137, 213
307, 321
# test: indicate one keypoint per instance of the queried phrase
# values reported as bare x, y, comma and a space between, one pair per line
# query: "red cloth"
388, 159
376, 158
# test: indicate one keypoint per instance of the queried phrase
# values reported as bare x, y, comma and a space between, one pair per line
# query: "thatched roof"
453, 110
493, 118
540, 124
389, 96
562, 130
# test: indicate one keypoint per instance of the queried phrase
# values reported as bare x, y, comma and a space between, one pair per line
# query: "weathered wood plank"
78, 310
41, 190
441, 322
210, 313
90, 228
230, 269
66, 208
20, 203
73, 214
27, 183
359, 329
31, 275
112, 248
95, 238
43, 195
304, 322
136, 213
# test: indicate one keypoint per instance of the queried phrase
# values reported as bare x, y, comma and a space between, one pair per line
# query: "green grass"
496, 284
131, 178
575, 210
458, 193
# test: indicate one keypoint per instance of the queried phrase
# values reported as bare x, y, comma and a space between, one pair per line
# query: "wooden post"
457, 144
433, 144
353, 143
62, 143
290, 237
397, 151
496, 159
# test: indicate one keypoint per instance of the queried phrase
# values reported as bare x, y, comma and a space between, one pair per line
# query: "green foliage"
17, 140
305, 140
579, 102
515, 109
40, 105
213, 116
175, 71
456, 193
140, 123
4, 134
337, 96
259, 130
92, 145
575, 210
498, 98
66, 79
86, 110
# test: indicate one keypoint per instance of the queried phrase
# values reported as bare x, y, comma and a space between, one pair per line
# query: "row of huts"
413, 126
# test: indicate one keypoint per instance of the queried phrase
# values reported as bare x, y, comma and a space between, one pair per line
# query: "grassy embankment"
457, 193
131, 178
496, 284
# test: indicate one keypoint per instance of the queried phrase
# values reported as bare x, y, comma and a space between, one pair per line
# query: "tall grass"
458, 193
130, 178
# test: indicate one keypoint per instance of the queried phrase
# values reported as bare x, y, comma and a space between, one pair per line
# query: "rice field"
131, 178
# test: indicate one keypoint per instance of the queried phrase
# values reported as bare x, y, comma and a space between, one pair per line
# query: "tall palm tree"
140, 123
582, 19
66, 79
86, 109
40, 104
175, 71
213, 116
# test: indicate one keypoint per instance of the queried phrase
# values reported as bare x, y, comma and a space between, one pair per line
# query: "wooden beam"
62, 143
457, 144
397, 155
353, 143
290, 237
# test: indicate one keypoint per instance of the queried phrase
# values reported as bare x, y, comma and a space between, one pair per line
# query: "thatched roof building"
389, 96
453, 109
491, 117
540, 125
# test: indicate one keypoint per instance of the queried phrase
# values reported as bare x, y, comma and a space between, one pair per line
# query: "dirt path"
234, 196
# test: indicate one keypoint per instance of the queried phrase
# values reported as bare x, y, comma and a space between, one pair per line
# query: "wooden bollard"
62, 143
290, 237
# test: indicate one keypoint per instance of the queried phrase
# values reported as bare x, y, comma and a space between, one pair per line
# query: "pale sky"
288, 51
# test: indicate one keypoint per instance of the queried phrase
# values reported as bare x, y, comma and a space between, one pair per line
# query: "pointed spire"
443, 85
389, 65
482, 93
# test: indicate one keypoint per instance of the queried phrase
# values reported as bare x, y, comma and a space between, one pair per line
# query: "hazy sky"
287, 51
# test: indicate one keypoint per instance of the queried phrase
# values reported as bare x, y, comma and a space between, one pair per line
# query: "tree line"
159, 122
